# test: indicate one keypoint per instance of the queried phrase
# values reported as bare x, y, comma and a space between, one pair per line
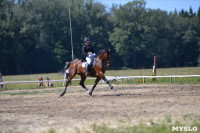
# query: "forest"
35, 34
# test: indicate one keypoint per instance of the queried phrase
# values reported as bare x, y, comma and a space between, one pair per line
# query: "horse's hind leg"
67, 83
71, 76
83, 77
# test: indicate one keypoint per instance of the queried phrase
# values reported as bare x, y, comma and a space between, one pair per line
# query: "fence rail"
118, 78
121, 78
168, 76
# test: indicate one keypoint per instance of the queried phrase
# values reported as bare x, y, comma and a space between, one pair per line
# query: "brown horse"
97, 71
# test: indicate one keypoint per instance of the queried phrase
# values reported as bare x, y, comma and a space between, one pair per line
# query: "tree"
35, 35
128, 26
60, 55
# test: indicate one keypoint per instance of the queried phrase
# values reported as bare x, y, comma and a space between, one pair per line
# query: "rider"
88, 53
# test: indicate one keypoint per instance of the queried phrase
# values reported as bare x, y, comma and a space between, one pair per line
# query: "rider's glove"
90, 55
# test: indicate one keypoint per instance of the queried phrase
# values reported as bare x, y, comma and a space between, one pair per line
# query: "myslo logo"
184, 128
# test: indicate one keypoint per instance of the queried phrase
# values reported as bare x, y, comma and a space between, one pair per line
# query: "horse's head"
105, 56
108, 57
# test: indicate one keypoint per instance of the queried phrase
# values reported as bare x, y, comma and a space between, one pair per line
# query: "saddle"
84, 63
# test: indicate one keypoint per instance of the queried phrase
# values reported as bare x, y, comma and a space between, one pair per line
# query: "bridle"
105, 59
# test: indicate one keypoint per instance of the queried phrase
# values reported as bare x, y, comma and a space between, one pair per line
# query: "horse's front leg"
83, 77
95, 84
112, 88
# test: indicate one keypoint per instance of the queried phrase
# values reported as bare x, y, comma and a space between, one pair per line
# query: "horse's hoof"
88, 91
90, 94
62, 94
113, 90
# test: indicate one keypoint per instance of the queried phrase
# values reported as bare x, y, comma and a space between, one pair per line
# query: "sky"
168, 5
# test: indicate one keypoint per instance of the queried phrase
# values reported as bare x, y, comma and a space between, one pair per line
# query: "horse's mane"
100, 51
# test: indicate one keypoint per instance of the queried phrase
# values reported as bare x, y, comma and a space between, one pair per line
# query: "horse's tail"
69, 63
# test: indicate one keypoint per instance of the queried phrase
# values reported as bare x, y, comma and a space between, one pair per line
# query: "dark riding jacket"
86, 49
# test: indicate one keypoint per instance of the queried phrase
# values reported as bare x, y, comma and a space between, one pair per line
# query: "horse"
98, 71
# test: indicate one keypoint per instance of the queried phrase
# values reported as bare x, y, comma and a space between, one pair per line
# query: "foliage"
35, 34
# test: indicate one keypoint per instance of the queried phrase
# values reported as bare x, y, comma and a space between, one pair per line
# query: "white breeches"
67, 71
89, 61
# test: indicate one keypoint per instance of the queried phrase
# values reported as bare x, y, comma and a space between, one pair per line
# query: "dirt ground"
41, 112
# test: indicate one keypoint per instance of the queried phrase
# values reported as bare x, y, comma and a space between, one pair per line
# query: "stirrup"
86, 74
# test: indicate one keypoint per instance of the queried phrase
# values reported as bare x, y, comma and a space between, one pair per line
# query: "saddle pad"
84, 64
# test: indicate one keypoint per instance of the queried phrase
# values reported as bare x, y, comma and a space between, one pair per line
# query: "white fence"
118, 78
121, 78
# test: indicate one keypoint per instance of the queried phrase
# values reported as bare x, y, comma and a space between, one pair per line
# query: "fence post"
64, 78
154, 67
143, 80
170, 80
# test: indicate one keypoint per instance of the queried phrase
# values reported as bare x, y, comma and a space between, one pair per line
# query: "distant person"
48, 83
40, 84
1, 80
67, 70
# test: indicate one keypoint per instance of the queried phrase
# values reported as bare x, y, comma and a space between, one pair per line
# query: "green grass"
139, 72
125, 126
154, 128
190, 80
160, 72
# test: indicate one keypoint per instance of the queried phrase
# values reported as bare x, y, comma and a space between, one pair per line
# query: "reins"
104, 60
